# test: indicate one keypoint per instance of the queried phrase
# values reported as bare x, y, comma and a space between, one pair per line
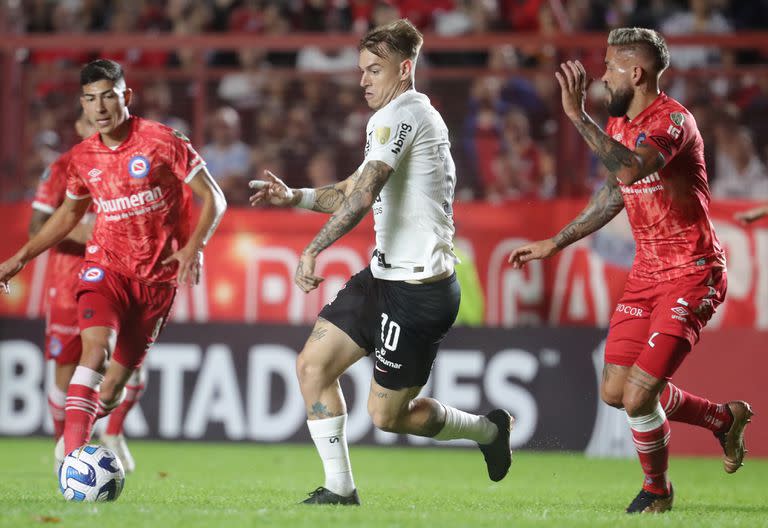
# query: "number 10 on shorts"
392, 332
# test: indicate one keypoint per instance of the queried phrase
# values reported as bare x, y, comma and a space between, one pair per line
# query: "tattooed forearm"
599, 211
329, 198
615, 156
355, 206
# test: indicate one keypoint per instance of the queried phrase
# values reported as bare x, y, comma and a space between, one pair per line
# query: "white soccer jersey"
413, 214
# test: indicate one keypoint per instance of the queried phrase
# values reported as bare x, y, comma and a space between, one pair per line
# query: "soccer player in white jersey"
400, 307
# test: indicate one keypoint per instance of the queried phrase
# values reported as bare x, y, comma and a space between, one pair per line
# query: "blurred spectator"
156, 102
740, 173
321, 169
243, 88
700, 18
227, 157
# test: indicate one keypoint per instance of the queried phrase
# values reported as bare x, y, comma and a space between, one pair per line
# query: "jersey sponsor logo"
629, 310
123, 203
382, 134
640, 139
138, 167
680, 313
94, 175
54, 346
654, 177
677, 118
93, 274
384, 361
402, 133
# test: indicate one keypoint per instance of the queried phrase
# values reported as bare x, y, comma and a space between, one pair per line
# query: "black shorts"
400, 323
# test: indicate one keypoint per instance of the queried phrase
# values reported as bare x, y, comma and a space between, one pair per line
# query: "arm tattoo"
599, 211
328, 199
358, 201
613, 154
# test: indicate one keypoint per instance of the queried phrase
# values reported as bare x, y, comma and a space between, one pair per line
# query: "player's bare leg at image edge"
650, 402
326, 355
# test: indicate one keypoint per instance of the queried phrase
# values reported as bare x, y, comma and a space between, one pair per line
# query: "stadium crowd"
301, 113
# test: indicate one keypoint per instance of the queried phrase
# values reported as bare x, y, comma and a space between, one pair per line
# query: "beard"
619, 102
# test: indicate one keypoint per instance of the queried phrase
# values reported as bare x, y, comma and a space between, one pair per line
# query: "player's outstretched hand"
573, 88
751, 215
271, 190
305, 273
190, 265
8, 269
533, 251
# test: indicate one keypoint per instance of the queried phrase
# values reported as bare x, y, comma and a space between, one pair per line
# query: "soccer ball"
91, 474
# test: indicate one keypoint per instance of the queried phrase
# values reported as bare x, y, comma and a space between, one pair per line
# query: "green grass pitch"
211, 485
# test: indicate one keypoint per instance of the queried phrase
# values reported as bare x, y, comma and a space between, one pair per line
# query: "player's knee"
385, 419
309, 371
638, 403
611, 396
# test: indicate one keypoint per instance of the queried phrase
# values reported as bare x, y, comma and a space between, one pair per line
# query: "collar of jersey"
648, 110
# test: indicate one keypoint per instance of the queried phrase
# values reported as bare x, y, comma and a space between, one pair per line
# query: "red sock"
117, 417
80, 413
651, 436
56, 402
681, 406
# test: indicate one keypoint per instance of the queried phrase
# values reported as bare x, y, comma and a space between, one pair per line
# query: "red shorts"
62, 334
137, 311
679, 308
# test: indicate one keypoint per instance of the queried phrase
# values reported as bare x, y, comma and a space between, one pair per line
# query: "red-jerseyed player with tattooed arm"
655, 155
133, 170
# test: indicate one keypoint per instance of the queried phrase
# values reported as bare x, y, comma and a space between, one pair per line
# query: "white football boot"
58, 455
118, 444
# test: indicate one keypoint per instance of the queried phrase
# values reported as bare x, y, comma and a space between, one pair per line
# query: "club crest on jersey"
54, 347
677, 118
640, 139
93, 274
138, 167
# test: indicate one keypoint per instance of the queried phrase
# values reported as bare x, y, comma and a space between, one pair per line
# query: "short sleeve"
184, 160
52, 187
391, 138
670, 132
76, 188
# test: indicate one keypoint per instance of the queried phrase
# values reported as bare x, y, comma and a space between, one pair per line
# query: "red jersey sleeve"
76, 188
669, 132
52, 187
183, 159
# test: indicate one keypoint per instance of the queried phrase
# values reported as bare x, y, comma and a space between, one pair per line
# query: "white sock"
330, 437
85, 376
459, 424
57, 396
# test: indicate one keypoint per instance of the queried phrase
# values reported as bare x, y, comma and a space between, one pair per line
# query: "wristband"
307, 198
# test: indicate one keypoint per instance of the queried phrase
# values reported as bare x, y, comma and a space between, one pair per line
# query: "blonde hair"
647, 39
400, 37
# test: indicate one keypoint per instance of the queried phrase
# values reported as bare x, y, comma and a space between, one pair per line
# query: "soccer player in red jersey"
62, 334
141, 246
655, 155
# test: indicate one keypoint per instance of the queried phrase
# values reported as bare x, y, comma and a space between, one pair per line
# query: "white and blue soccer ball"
91, 474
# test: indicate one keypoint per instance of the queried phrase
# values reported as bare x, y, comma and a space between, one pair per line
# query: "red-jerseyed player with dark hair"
62, 333
655, 155
133, 170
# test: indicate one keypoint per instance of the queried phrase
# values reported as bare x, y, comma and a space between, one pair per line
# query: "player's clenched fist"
305, 277
533, 251
272, 190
